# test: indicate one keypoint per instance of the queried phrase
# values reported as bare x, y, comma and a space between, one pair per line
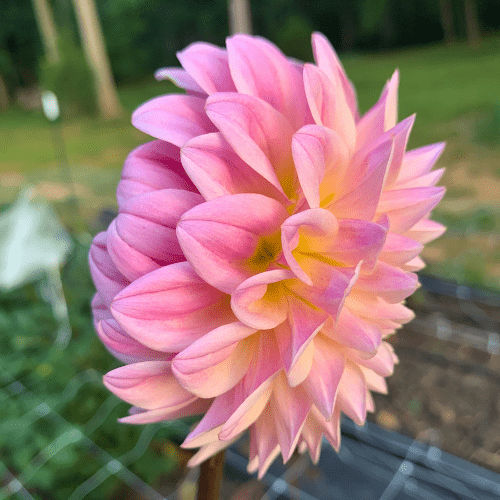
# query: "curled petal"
123, 346
99, 310
314, 226
259, 301
209, 66
173, 118
170, 308
149, 385
108, 280
230, 238
398, 250
181, 78
150, 167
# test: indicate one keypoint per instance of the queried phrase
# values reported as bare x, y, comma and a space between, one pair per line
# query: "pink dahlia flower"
264, 246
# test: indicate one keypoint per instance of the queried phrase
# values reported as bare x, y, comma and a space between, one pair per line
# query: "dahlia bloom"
265, 243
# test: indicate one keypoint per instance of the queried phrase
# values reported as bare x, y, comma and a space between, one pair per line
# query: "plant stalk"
211, 472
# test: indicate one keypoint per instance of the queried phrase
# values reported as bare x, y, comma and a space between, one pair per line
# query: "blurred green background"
448, 53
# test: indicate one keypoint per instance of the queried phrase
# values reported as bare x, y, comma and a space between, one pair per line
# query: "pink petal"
405, 207
362, 198
351, 394
129, 261
215, 373
314, 226
260, 135
170, 308
253, 392
208, 451
149, 385
418, 162
400, 133
123, 346
174, 118
150, 167
425, 231
230, 238
328, 105
261, 70
427, 180
399, 249
357, 240
99, 310
389, 282
108, 280
192, 407
321, 159
414, 265
259, 301
217, 170
328, 61
376, 310
330, 428
381, 117
290, 409
295, 335
147, 223
208, 65
331, 286
325, 374
352, 331
266, 440
374, 382
382, 363
180, 77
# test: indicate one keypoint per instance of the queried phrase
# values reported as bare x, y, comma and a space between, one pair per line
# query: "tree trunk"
4, 95
97, 58
47, 27
446, 15
240, 19
472, 23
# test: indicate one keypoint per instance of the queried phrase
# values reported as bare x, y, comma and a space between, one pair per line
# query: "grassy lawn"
453, 90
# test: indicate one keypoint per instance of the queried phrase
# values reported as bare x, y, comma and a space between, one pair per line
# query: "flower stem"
211, 477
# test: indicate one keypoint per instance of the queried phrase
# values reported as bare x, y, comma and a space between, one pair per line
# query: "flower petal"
260, 135
328, 61
173, 118
152, 166
418, 162
108, 280
425, 231
328, 104
321, 159
124, 347
259, 301
269, 75
217, 170
149, 385
170, 308
290, 409
230, 238
351, 394
208, 65
405, 207
189, 408
181, 78
398, 250
325, 374
266, 440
